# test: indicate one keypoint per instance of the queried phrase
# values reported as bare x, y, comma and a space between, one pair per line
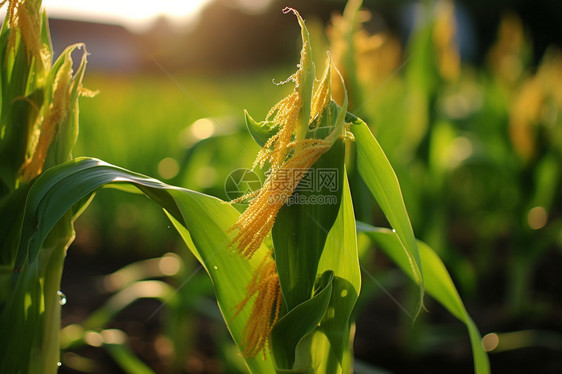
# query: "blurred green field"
149, 123
477, 149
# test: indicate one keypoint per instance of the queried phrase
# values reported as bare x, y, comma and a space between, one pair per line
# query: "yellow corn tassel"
265, 312
258, 219
289, 155
286, 116
444, 38
505, 58
322, 96
21, 15
12, 19
56, 113
284, 155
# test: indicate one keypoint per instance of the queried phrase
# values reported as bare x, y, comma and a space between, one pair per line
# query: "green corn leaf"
298, 240
296, 324
209, 241
141, 289
67, 133
438, 284
308, 75
327, 347
328, 340
260, 131
340, 256
18, 113
127, 360
46, 32
320, 128
376, 171
10, 226
2, 123
31, 313
203, 222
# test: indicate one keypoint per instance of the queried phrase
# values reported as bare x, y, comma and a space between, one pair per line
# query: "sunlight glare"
133, 14
537, 217
203, 128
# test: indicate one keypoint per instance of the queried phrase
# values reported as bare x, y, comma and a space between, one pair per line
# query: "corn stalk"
286, 275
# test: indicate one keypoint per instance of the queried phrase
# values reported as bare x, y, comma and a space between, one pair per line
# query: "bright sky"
132, 13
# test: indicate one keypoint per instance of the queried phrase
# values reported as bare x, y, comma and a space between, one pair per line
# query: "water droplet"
216, 267
62, 298
59, 364
393, 230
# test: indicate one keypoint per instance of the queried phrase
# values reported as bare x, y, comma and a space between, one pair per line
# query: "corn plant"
38, 128
285, 271
523, 143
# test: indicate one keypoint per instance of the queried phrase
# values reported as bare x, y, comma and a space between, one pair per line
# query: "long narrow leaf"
340, 255
203, 222
438, 284
299, 240
300, 321
376, 171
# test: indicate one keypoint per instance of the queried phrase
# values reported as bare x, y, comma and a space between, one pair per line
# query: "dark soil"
385, 339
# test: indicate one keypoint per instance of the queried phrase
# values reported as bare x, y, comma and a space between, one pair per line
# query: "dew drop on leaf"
62, 298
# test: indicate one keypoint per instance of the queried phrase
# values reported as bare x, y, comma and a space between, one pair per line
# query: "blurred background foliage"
465, 98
